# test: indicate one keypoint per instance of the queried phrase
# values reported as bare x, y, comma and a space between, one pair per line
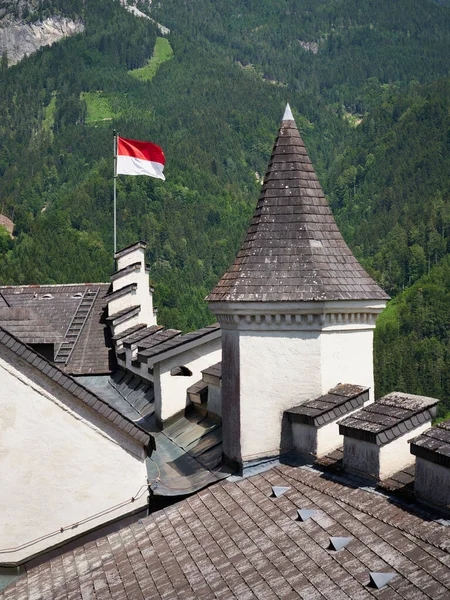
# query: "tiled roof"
338, 402
233, 540
176, 342
73, 386
293, 250
55, 305
214, 370
158, 336
142, 334
129, 332
434, 444
389, 418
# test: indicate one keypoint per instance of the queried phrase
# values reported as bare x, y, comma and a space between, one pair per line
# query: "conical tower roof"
294, 250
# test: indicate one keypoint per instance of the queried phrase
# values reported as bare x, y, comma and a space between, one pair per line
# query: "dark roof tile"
393, 415
434, 444
232, 540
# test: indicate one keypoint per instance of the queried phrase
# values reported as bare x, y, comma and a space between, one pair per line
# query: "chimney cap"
130, 248
434, 444
389, 418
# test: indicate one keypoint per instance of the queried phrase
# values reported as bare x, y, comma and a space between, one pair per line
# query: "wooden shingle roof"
234, 540
293, 250
47, 312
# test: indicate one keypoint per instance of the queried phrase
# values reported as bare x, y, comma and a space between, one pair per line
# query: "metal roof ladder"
76, 326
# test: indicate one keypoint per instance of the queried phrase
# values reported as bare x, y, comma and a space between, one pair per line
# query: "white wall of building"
380, 462
170, 390
318, 441
127, 301
60, 463
347, 357
278, 370
397, 455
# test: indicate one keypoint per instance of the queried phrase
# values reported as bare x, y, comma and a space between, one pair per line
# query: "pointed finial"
288, 116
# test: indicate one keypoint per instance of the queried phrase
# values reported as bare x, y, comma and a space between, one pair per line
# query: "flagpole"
115, 191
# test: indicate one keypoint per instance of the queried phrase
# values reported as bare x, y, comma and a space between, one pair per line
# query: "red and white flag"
139, 158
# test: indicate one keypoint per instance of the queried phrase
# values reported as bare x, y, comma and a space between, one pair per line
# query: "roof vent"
77, 295
379, 580
305, 514
278, 490
337, 543
47, 296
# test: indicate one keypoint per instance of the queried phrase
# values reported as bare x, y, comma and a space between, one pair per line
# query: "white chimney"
130, 302
315, 431
376, 437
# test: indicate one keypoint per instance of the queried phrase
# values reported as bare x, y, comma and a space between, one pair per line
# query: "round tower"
296, 309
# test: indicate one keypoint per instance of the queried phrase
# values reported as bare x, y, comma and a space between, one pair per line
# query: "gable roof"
51, 309
71, 385
234, 540
293, 250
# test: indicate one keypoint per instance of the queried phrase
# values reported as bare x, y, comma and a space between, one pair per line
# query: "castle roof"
293, 250
237, 540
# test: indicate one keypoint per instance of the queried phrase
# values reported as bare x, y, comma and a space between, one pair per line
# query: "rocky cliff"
18, 38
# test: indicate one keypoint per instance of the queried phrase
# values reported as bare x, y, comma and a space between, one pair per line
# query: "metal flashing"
279, 490
305, 514
337, 543
380, 580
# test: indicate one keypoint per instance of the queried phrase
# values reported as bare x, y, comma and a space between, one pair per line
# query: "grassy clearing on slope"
49, 119
161, 54
98, 107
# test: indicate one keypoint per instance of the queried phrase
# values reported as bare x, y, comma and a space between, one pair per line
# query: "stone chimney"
376, 437
296, 309
130, 303
432, 477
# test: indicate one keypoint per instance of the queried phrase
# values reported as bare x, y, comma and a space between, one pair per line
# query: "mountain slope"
367, 82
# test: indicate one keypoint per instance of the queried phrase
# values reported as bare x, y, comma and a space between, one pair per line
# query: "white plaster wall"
329, 438
347, 357
397, 455
380, 462
170, 391
130, 299
124, 280
57, 467
318, 441
131, 322
215, 399
432, 482
278, 370
142, 296
137, 255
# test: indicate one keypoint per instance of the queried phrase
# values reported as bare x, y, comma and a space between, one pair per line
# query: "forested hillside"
368, 83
